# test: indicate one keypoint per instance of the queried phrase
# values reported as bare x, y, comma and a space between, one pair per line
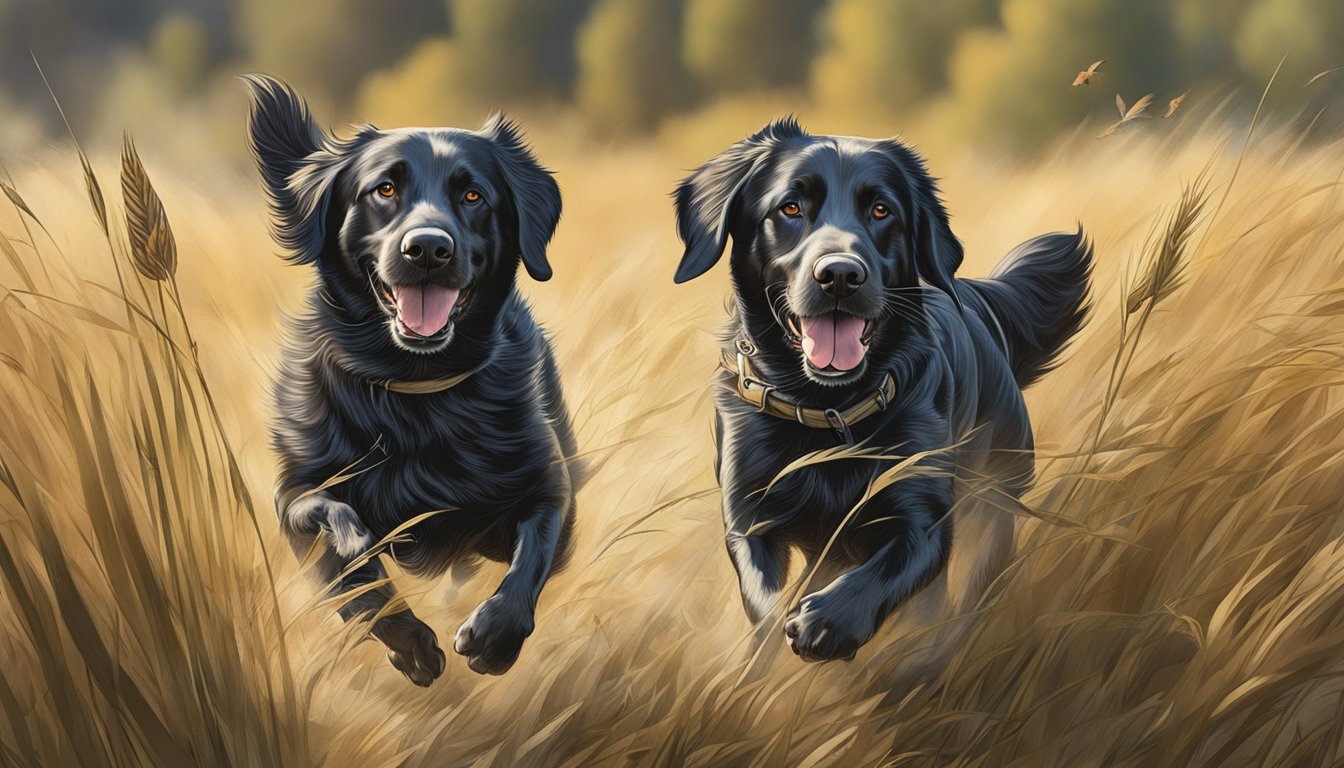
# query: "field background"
1177, 596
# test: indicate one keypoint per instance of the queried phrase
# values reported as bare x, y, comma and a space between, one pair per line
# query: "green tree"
1206, 31
1012, 86
74, 40
517, 49
1308, 35
744, 45
422, 89
889, 55
328, 51
180, 47
629, 69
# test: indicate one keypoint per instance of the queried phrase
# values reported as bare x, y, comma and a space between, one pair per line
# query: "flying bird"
1085, 76
1127, 115
1319, 75
1175, 104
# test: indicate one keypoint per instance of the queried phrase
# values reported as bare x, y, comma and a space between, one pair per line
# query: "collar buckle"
837, 422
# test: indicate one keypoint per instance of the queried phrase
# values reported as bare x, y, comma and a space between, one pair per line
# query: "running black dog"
850, 327
416, 381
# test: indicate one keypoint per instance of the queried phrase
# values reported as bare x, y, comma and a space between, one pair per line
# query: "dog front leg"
493, 635
835, 621
412, 646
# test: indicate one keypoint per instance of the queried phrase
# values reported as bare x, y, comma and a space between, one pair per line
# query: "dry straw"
141, 627
17, 200
153, 249
91, 184
1166, 264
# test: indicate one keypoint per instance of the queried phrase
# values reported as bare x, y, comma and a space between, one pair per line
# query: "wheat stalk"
17, 200
21, 205
153, 248
91, 184
154, 253
1166, 266
1163, 275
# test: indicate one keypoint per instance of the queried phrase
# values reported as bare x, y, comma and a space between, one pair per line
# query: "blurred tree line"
998, 70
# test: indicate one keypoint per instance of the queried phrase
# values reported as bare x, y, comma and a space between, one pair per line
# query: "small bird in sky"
1175, 104
1085, 76
1127, 115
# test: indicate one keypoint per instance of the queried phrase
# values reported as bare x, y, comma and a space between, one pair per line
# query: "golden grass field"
1177, 592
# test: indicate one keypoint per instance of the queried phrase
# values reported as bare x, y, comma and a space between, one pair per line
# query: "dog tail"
1035, 300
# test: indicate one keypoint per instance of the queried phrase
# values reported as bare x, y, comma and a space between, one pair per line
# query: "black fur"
491, 456
960, 351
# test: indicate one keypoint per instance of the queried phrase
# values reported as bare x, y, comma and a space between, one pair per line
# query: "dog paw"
344, 530
821, 630
493, 634
412, 647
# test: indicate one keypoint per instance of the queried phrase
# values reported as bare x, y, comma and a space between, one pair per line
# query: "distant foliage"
889, 55
1206, 33
747, 45
629, 78
422, 89
1311, 33
516, 49
995, 72
1011, 85
328, 49
181, 47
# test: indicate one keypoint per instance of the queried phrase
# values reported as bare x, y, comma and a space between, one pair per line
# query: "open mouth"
422, 311
833, 343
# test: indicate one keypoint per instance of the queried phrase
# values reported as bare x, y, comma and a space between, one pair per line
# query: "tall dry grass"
1176, 598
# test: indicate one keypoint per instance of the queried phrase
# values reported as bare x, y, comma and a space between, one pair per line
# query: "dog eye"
791, 208
472, 197
881, 211
387, 189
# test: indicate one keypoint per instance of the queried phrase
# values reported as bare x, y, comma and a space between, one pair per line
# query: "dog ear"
707, 199
937, 251
298, 163
536, 196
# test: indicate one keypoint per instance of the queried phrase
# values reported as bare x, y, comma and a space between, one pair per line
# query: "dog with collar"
849, 327
416, 394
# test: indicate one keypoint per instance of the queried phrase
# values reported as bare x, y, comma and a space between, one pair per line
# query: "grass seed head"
153, 248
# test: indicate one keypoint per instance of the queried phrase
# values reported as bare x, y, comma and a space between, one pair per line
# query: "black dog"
416, 381
849, 327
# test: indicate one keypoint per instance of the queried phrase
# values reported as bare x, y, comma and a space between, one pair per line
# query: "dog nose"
839, 274
427, 247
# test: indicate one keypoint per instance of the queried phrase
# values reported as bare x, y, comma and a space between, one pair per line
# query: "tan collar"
757, 392
425, 387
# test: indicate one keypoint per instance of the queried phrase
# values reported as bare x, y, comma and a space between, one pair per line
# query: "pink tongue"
424, 308
834, 339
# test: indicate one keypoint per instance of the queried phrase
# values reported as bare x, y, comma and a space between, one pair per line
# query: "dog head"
835, 240
418, 229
